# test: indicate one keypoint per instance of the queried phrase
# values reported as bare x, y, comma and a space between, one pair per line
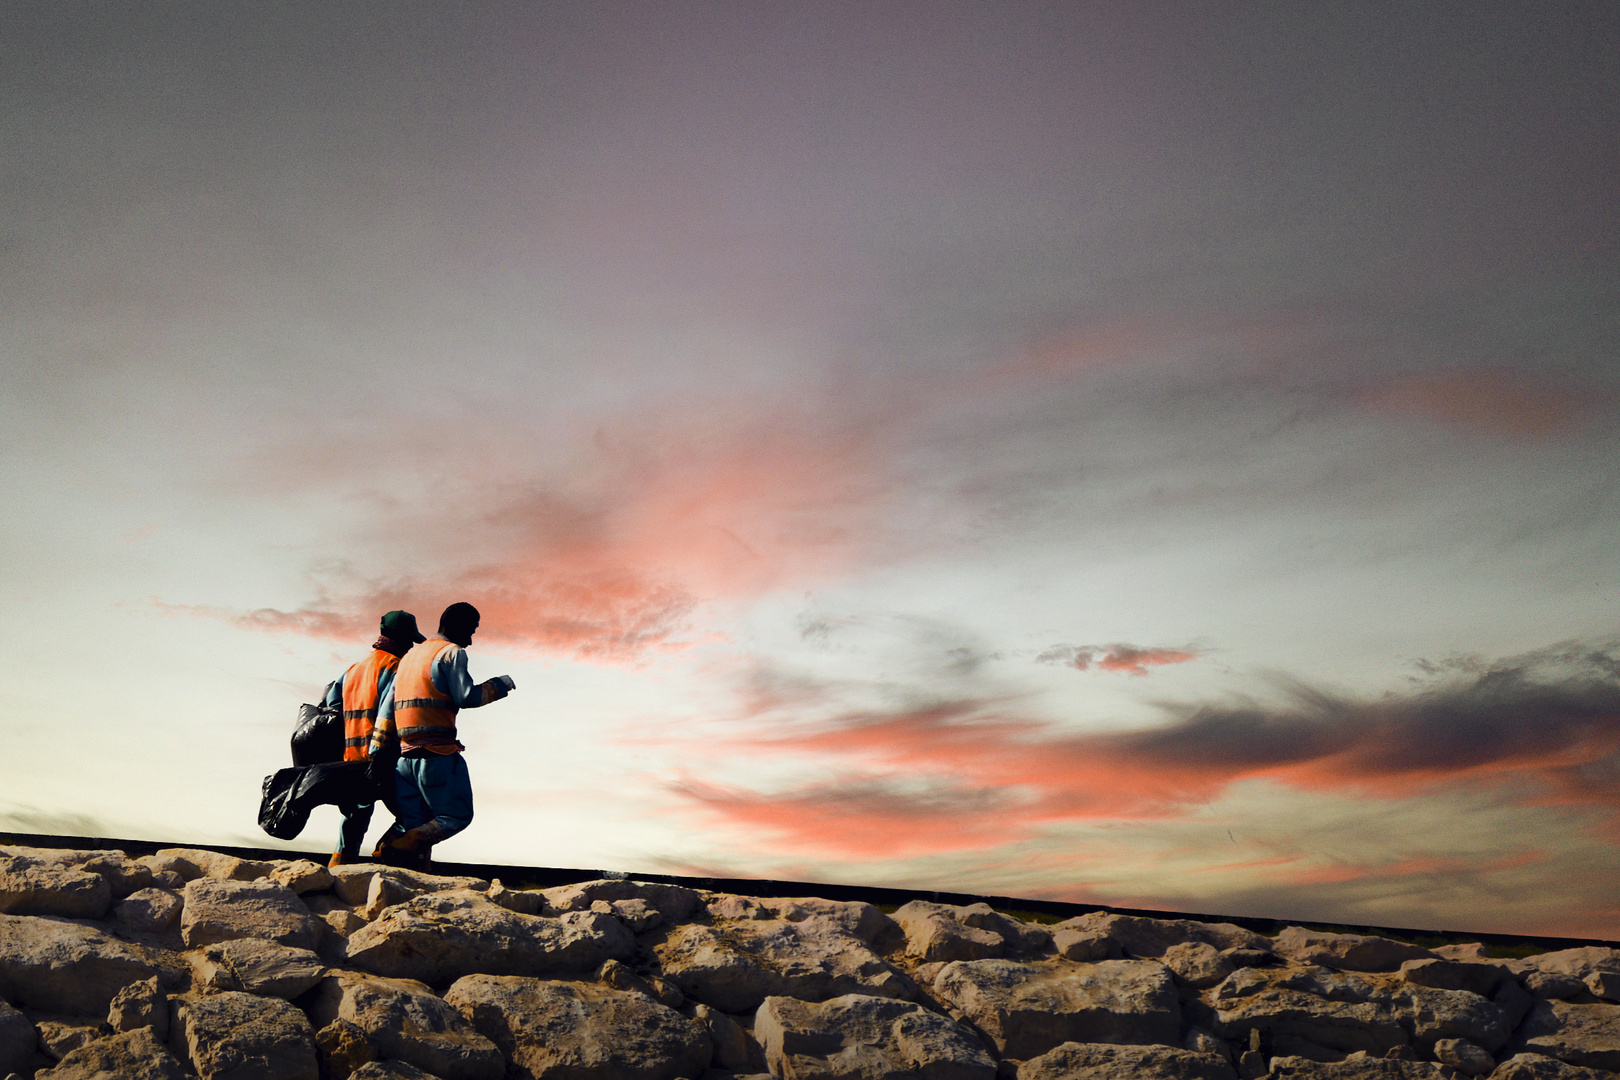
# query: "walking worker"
359, 692
432, 789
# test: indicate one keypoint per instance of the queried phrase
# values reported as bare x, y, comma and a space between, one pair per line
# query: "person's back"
360, 691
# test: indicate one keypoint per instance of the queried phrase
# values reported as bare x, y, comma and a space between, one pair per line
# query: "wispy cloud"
1494, 400
1543, 728
1128, 659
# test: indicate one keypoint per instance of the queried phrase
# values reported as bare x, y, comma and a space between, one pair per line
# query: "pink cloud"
1494, 400
1126, 659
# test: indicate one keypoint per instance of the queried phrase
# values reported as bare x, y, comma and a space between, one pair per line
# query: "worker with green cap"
358, 691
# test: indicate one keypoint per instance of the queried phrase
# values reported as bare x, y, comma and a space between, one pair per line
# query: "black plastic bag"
290, 794
318, 738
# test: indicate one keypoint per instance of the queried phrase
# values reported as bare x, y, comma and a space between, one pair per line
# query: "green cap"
401, 626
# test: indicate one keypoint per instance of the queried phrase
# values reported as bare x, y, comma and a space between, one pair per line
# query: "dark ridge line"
544, 877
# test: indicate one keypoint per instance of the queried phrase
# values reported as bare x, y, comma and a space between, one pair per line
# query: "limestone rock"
935, 932
390, 1070
384, 892
17, 1037
580, 1031
1467, 951
1347, 952
259, 967
64, 967
193, 863
60, 1035
342, 1048
1539, 1067
1466, 1057
352, 883
869, 1038
1442, 974
730, 1040
130, 1055
29, 887
621, 977
302, 876
148, 911
1586, 1035
140, 1005
522, 901
1028, 1009
1603, 984
1104, 1061
404, 1019
224, 909
1142, 937
1310, 1008
1072, 943
1197, 963
237, 1036
439, 937
811, 950
124, 875
1367, 1068
1452, 1014
672, 902
636, 914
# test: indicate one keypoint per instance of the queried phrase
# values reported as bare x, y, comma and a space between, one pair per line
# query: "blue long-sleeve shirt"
450, 677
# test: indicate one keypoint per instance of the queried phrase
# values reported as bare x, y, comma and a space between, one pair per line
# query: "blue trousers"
435, 791
352, 833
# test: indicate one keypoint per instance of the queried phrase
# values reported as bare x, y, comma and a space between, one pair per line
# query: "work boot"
409, 850
338, 859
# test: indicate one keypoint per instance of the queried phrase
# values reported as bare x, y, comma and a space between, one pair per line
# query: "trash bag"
290, 794
318, 738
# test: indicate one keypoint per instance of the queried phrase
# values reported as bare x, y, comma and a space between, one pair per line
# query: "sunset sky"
1161, 455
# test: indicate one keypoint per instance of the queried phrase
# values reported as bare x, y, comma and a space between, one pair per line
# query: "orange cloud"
1543, 728
1490, 399
1128, 659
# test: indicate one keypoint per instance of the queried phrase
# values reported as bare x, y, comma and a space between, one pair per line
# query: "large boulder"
29, 887
258, 967
1307, 1011
1433, 1015
867, 1038
1586, 1035
192, 863
943, 932
439, 937
1141, 937
148, 911
554, 1030
224, 909
129, 1055
1347, 952
65, 967
808, 949
354, 883
1357, 1068
1563, 974
1540, 1067
1106, 1061
17, 1039
123, 874
1441, 974
404, 1019
1028, 1009
673, 903
237, 1036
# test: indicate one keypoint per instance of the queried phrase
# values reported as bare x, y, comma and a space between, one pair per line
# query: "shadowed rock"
1142, 937
554, 1030
867, 1038
64, 967
808, 949
1367, 1068
673, 903
1028, 1009
404, 1019
131, 1055
17, 1039
140, 1005
1540, 1067
1102, 1061
1586, 1035
259, 967
237, 1036
148, 911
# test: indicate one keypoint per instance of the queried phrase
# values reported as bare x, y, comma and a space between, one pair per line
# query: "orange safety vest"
360, 697
422, 712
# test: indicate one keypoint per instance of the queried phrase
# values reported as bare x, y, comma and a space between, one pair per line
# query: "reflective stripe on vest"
360, 697
420, 708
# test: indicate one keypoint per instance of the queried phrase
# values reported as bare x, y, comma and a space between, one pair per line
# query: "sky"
1158, 455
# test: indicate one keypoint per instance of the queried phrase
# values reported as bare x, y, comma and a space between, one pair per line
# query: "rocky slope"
191, 962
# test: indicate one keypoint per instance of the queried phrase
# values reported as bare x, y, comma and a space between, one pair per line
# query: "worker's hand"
510, 685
